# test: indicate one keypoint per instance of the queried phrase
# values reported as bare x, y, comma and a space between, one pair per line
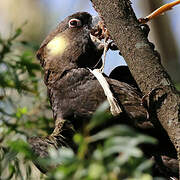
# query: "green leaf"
135, 152
146, 164
112, 131
96, 170
100, 116
21, 111
19, 146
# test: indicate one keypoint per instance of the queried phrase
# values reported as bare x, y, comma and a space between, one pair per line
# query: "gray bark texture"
164, 39
144, 63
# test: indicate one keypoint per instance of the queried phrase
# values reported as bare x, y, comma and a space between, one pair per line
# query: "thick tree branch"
143, 62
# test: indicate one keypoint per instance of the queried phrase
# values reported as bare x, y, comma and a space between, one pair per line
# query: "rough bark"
162, 34
144, 63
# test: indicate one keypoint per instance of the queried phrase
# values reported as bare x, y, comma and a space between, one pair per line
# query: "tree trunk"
144, 63
164, 39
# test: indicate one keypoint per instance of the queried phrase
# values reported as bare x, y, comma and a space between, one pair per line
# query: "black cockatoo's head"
70, 45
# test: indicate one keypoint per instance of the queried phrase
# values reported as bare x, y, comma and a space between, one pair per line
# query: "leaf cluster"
21, 100
111, 154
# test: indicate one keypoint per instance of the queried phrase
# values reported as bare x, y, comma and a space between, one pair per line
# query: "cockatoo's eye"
73, 23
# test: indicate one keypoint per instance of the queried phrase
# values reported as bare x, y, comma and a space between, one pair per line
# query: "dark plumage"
76, 48
74, 92
123, 74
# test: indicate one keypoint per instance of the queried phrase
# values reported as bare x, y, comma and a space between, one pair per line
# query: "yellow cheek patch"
57, 45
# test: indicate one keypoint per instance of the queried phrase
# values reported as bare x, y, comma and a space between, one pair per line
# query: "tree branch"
144, 63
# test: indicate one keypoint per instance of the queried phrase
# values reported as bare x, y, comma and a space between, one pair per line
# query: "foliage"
116, 155
112, 153
177, 85
22, 101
